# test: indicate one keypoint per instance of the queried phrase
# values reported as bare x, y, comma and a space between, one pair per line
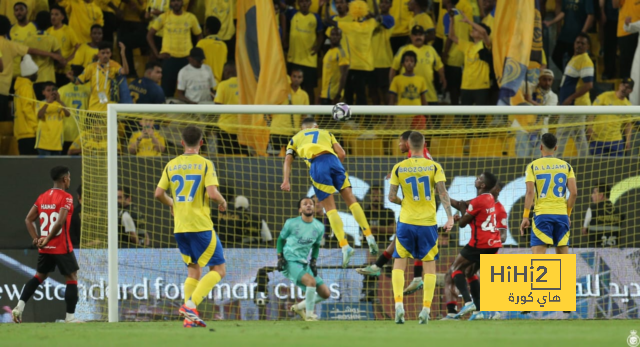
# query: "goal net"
124, 155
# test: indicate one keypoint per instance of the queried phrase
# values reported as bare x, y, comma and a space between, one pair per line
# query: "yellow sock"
397, 278
205, 286
429, 288
358, 214
337, 226
189, 286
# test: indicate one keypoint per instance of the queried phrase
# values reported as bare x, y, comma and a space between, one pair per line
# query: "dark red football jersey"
49, 205
425, 152
484, 233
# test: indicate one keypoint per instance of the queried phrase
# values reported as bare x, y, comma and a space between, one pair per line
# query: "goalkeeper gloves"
313, 267
282, 263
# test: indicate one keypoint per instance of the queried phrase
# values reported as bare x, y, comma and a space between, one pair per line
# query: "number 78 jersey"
49, 205
188, 176
549, 176
417, 177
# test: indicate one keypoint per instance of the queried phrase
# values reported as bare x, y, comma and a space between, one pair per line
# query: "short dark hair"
213, 25
105, 45
151, 65
20, 3
306, 198
126, 192
49, 84
409, 54
604, 189
96, 26
79, 190
549, 140
5, 25
296, 70
405, 135
77, 69
59, 9
308, 120
416, 139
586, 36
191, 135
490, 180
43, 20
58, 172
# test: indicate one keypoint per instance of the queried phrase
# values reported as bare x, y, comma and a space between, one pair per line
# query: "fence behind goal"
151, 272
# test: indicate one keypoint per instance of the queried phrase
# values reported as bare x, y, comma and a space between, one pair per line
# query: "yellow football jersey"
610, 126
408, 89
177, 32
146, 148
424, 20
82, 15
225, 11
332, 61
475, 74
550, 175
344, 42
47, 43
381, 44
68, 42
360, 35
188, 176
303, 32
417, 177
400, 12
428, 62
50, 130
25, 123
215, 54
288, 124
75, 96
310, 143
20, 34
227, 94
97, 82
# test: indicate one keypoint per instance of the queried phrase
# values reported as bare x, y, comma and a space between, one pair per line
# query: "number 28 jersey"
484, 228
49, 205
187, 176
549, 176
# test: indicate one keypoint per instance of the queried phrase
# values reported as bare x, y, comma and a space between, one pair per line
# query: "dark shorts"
380, 79
454, 76
66, 263
473, 254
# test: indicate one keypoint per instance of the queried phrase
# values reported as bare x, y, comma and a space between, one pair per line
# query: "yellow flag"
262, 72
512, 48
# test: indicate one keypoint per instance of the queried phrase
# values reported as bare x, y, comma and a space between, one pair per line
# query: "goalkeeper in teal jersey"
299, 236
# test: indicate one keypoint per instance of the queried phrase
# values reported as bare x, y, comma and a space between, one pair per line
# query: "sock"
189, 286
417, 269
461, 284
71, 296
429, 288
397, 278
70, 316
310, 299
383, 259
451, 307
319, 299
337, 226
358, 214
205, 286
30, 288
474, 285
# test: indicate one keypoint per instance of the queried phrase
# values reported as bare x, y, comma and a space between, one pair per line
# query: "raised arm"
446, 203
344, 72
125, 66
452, 28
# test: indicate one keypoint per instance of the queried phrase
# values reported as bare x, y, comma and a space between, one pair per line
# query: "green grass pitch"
352, 334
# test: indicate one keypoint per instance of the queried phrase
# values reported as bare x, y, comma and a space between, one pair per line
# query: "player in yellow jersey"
417, 230
189, 177
548, 179
324, 156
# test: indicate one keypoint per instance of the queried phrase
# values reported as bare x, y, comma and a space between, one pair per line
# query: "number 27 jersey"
49, 205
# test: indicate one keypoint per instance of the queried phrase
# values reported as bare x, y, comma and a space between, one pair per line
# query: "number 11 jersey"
49, 205
188, 176
549, 176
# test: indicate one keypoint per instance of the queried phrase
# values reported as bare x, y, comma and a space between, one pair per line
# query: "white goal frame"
112, 143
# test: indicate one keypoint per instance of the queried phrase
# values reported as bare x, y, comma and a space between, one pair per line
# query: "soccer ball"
341, 112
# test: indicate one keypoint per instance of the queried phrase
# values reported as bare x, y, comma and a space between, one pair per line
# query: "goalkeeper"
299, 236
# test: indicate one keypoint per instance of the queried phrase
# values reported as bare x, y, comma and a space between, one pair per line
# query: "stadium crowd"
66, 55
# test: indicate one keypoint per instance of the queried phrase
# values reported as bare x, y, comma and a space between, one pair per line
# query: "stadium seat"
367, 148
6, 128
446, 147
486, 147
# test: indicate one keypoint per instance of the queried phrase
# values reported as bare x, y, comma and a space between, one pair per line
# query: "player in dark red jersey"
54, 209
374, 270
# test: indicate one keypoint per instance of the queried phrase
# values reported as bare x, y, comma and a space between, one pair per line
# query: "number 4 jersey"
484, 229
49, 205
549, 176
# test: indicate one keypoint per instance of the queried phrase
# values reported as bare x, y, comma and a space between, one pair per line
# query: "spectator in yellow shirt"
83, 15
422, 18
452, 56
51, 122
25, 123
87, 53
335, 68
225, 12
215, 50
407, 89
177, 26
47, 43
147, 142
21, 31
69, 43
605, 136
6, 8
77, 97
283, 126
132, 31
383, 56
402, 16
227, 94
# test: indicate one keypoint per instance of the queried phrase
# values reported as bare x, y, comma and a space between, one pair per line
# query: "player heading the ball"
193, 181
298, 237
417, 231
324, 156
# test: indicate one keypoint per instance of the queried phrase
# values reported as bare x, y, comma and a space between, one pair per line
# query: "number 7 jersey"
417, 177
549, 176
188, 176
49, 205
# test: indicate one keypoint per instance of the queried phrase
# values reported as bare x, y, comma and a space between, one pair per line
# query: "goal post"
115, 110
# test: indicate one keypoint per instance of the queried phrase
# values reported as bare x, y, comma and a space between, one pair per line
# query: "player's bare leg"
329, 205
29, 288
71, 298
397, 279
318, 294
383, 259
361, 219
562, 250
429, 288
459, 267
541, 249
189, 309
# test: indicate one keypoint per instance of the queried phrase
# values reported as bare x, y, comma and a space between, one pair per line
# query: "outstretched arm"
446, 203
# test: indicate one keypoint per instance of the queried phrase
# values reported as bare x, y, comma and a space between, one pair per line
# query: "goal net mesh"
152, 273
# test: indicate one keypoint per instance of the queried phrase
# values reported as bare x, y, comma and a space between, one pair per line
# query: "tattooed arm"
446, 203
393, 195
